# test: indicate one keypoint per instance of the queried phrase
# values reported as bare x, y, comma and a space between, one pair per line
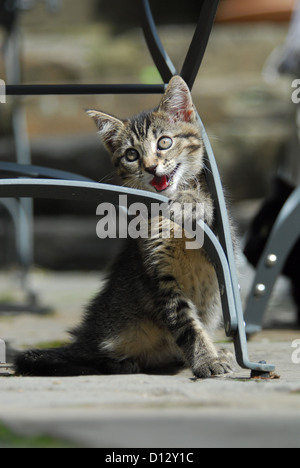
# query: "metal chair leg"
23, 154
284, 236
233, 327
19, 218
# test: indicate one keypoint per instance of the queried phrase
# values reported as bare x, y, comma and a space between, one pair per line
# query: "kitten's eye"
132, 155
165, 143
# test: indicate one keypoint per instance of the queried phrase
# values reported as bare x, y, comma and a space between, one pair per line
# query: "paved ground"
153, 411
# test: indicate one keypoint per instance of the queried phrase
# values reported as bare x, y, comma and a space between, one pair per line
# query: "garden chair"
220, 247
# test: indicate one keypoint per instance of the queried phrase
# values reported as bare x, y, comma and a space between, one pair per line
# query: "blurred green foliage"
9, 439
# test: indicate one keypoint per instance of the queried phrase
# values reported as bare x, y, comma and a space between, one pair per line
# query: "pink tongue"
160, 183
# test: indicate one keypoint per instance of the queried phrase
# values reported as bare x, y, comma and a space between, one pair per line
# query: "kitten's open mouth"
165, 181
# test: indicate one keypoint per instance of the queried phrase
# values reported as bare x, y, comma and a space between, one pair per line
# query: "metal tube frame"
220, 251
84, 89
283, 237
24, 236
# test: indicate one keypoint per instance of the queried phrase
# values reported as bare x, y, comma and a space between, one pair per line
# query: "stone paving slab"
161, 429
161, 410
148, 410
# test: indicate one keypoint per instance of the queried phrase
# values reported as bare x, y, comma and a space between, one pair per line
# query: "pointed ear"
108, 127
177, 101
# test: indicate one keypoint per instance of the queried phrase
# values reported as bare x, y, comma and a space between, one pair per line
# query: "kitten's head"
158, 150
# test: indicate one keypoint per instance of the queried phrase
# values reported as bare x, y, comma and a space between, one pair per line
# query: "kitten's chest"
197, 278
192, 271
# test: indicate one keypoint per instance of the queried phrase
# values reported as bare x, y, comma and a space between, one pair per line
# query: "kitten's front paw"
213, 366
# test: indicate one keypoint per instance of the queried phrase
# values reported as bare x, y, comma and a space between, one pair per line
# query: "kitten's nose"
151, 169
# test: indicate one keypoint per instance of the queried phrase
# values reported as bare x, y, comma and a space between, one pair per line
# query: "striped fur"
161, 302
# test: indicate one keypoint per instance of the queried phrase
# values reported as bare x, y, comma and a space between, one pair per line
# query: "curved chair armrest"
8, 170
74, 190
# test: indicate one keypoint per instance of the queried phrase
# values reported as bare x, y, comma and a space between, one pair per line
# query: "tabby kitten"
160, 301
